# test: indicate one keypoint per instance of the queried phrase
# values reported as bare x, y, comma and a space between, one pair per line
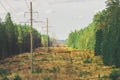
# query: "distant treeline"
83, 39
102, 35
15, 38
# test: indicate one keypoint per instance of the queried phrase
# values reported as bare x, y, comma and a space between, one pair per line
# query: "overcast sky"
64, 15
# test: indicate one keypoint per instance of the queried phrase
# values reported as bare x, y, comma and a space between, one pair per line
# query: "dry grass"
60, 63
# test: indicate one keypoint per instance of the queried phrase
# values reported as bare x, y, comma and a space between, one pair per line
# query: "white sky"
64, 15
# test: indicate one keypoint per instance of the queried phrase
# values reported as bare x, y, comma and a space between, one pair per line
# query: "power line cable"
12, 9
10, 6
26, 3
3, 6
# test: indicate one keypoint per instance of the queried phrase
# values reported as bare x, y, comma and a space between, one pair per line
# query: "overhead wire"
10, 6
11, 9
26, 3
3, 6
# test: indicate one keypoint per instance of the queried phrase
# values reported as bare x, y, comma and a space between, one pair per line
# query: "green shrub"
5, 78
99, 76
4, 72
115, 74
81, 74
38, 70
52, 70
44, 59
71, 61
88, 60
46, 78
105, 76
113, 66
17, 77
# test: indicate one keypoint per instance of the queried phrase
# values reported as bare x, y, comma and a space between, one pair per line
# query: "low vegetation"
115, 75
56, 65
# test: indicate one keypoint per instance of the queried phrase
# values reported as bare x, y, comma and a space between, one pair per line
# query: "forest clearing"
60, 40
61, 63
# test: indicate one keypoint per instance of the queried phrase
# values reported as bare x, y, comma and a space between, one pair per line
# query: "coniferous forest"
107, 34
15, 38
90, 53
102, 35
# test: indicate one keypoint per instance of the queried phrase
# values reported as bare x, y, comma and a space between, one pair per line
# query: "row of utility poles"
31, 36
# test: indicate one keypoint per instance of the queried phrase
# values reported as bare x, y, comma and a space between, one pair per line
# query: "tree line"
102, 35
15, 38
83, 39
108, 33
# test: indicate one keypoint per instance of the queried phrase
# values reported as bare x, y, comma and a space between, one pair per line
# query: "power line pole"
47, 34
31, 20
31, 37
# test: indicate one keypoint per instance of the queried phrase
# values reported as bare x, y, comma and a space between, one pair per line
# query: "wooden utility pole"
47, 35
31, 37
